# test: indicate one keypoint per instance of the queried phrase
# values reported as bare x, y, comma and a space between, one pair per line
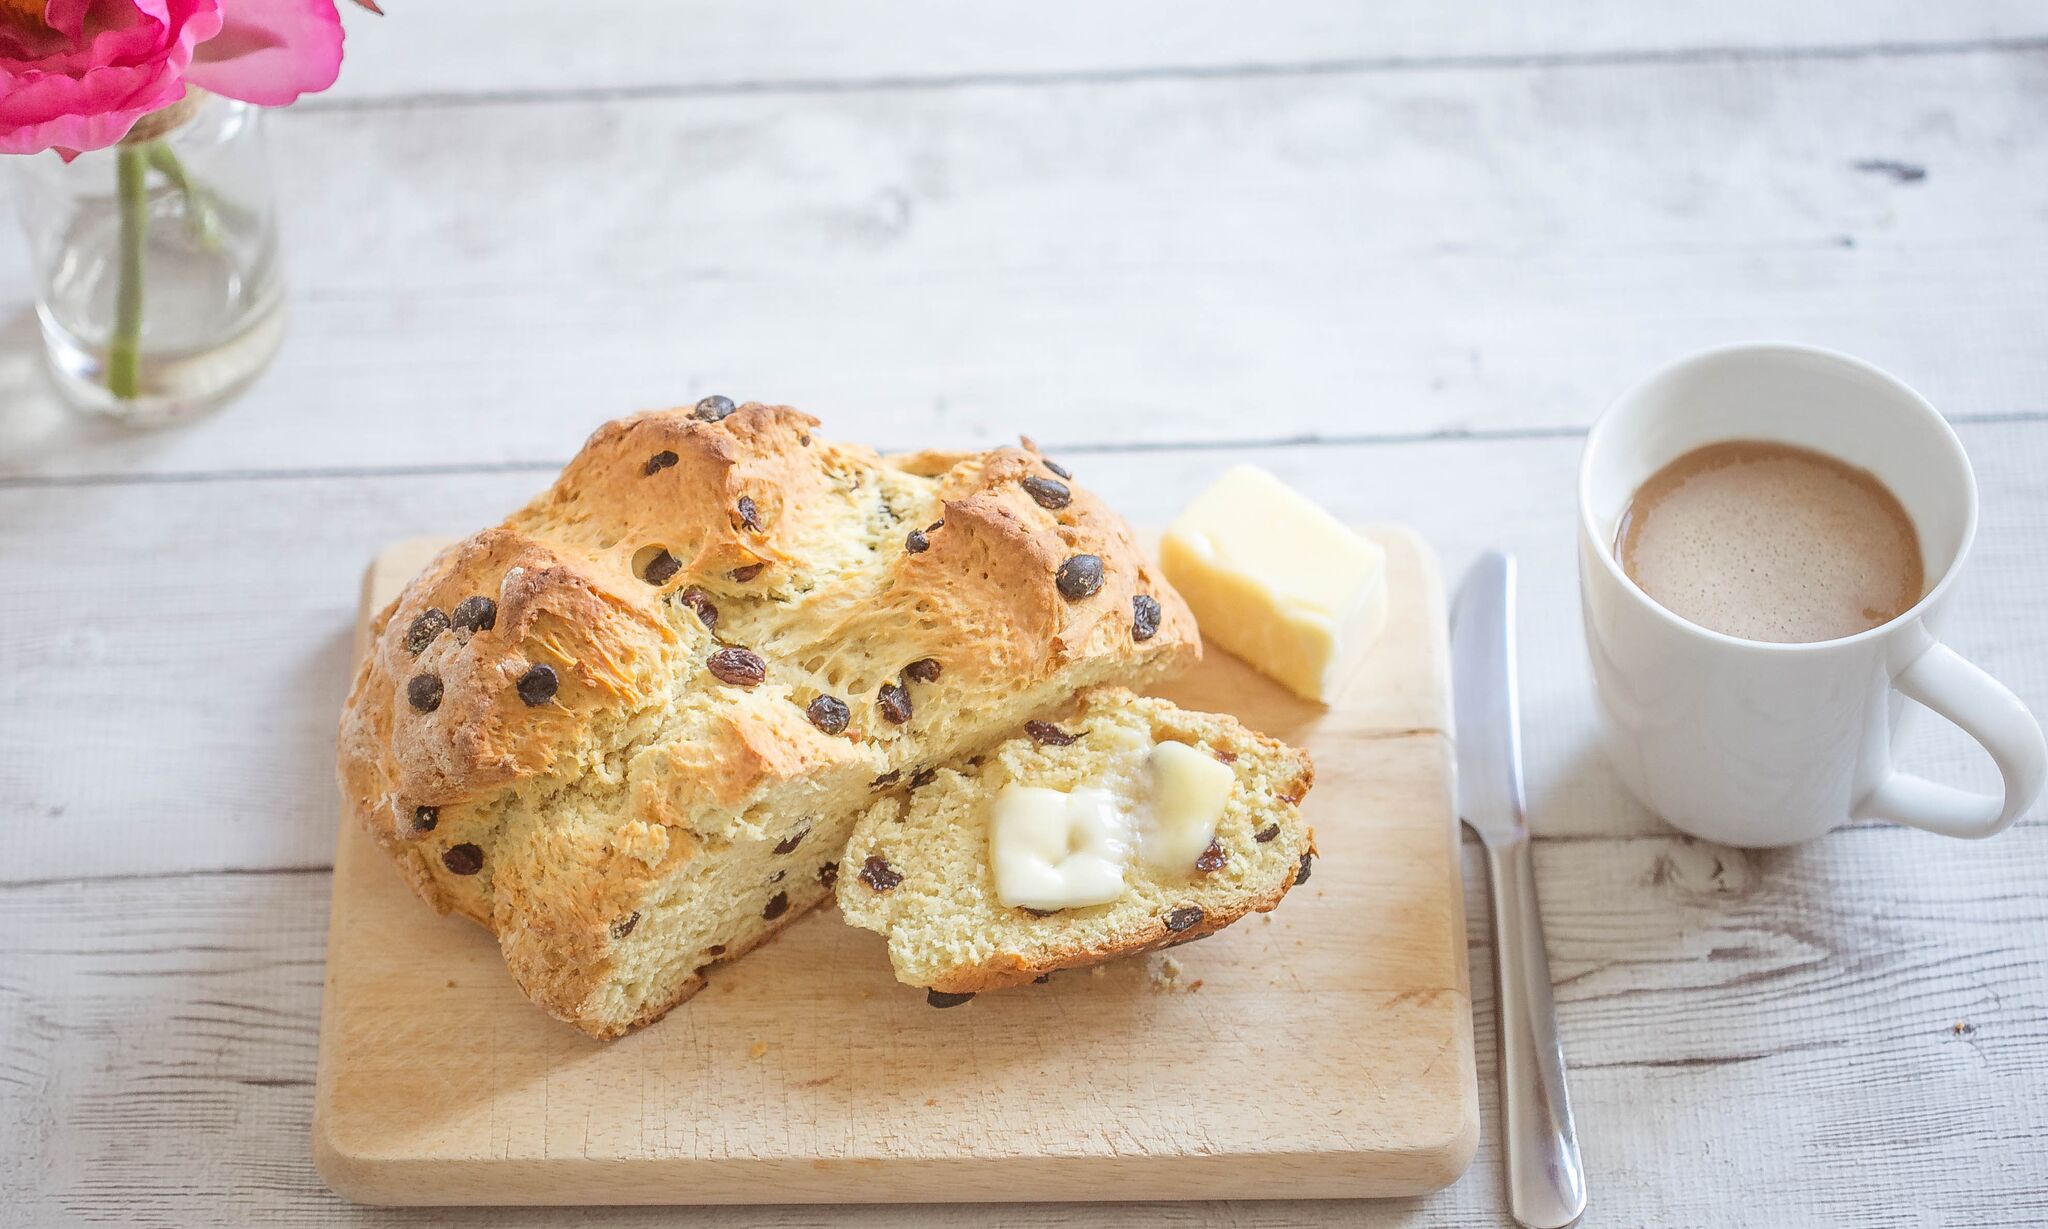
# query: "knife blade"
1484, 699
1546, 1179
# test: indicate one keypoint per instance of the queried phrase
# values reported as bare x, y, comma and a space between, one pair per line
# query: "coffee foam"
1771, 542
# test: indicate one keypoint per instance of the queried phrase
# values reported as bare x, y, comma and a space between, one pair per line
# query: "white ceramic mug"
1755, 744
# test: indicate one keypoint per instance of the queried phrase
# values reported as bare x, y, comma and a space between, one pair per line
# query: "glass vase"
159, 289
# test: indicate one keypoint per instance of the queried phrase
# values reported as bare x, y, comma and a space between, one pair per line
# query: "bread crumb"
1098, 971
1961, 1028
1166, 972
930, 1101
451, 983
867, 994
759, 1048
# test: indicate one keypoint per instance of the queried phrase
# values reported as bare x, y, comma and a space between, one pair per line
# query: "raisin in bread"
917, 868
629, 729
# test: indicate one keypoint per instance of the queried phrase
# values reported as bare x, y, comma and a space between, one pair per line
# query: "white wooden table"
1400, 253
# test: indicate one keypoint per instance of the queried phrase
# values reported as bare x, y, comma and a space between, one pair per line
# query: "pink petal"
47, 114
270, 51
64, 41
21, 42
131, 35
67, 17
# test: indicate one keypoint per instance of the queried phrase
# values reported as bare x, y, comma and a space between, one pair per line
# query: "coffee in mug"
1788, 460
1770, 541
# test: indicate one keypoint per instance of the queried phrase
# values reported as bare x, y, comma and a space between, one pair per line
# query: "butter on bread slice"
1278, 581
918, 868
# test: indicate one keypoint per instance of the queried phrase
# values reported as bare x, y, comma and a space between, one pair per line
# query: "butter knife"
1546, 1181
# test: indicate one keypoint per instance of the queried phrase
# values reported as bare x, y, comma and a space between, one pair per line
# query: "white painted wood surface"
1344, 254
1434, 238
532, 48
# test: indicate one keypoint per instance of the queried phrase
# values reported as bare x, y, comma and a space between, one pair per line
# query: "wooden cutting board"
1322, 1050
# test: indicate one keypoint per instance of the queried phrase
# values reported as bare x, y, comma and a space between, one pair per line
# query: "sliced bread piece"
918, 867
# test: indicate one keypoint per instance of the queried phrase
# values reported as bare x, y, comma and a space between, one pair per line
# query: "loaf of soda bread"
917, 868
629, 729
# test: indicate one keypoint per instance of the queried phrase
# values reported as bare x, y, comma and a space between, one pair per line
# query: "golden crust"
1009, 969
554, 822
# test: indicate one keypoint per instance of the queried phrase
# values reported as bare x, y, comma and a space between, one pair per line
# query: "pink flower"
77, 74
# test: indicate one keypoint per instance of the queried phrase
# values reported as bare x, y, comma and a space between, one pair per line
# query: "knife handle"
1546, 1180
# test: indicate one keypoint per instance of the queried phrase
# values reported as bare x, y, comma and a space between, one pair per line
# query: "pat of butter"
1053, 850
1189, 789
1278, 581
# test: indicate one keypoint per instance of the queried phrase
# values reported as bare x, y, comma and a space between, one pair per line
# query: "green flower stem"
124, 348
200, 216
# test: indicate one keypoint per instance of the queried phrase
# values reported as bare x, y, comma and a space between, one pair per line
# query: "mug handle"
1982, 707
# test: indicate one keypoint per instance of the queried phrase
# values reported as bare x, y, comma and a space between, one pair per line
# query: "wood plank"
1347, 1011
202, 629
1780, 1023
618, 45
1339, 256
